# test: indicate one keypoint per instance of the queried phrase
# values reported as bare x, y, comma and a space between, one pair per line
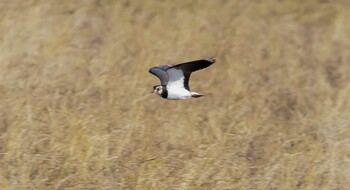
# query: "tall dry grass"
76, 110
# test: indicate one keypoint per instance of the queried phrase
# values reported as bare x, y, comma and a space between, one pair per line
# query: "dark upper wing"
192, 66
160, 72
189, 67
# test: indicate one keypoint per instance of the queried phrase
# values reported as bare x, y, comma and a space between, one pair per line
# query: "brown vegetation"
76, 110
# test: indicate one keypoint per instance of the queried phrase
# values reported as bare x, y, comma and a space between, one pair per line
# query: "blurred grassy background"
76, 110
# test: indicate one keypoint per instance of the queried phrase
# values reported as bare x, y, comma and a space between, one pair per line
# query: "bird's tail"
196, 95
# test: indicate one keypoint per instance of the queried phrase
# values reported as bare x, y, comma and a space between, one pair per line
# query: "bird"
174, 79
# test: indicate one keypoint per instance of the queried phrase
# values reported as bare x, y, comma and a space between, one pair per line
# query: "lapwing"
174, 79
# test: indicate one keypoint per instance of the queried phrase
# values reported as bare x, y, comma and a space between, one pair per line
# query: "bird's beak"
152, 92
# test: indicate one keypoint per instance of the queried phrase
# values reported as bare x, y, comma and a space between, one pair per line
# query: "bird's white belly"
178, 94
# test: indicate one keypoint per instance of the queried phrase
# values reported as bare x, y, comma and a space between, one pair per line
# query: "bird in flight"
174, 79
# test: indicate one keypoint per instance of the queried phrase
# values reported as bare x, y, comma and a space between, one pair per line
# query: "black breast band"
165, 92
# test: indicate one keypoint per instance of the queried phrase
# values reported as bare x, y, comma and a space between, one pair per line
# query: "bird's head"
158, 89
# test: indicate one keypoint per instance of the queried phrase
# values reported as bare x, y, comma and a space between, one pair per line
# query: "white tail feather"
196, 95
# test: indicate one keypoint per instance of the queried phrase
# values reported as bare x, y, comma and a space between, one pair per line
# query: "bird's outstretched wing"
161, 73
181, 73
192, 66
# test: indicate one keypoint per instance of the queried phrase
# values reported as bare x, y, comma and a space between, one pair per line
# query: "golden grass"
76, 112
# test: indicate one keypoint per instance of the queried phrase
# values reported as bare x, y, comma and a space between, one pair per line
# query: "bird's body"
175, 78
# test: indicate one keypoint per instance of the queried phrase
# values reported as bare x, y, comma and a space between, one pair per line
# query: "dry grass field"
76, 110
